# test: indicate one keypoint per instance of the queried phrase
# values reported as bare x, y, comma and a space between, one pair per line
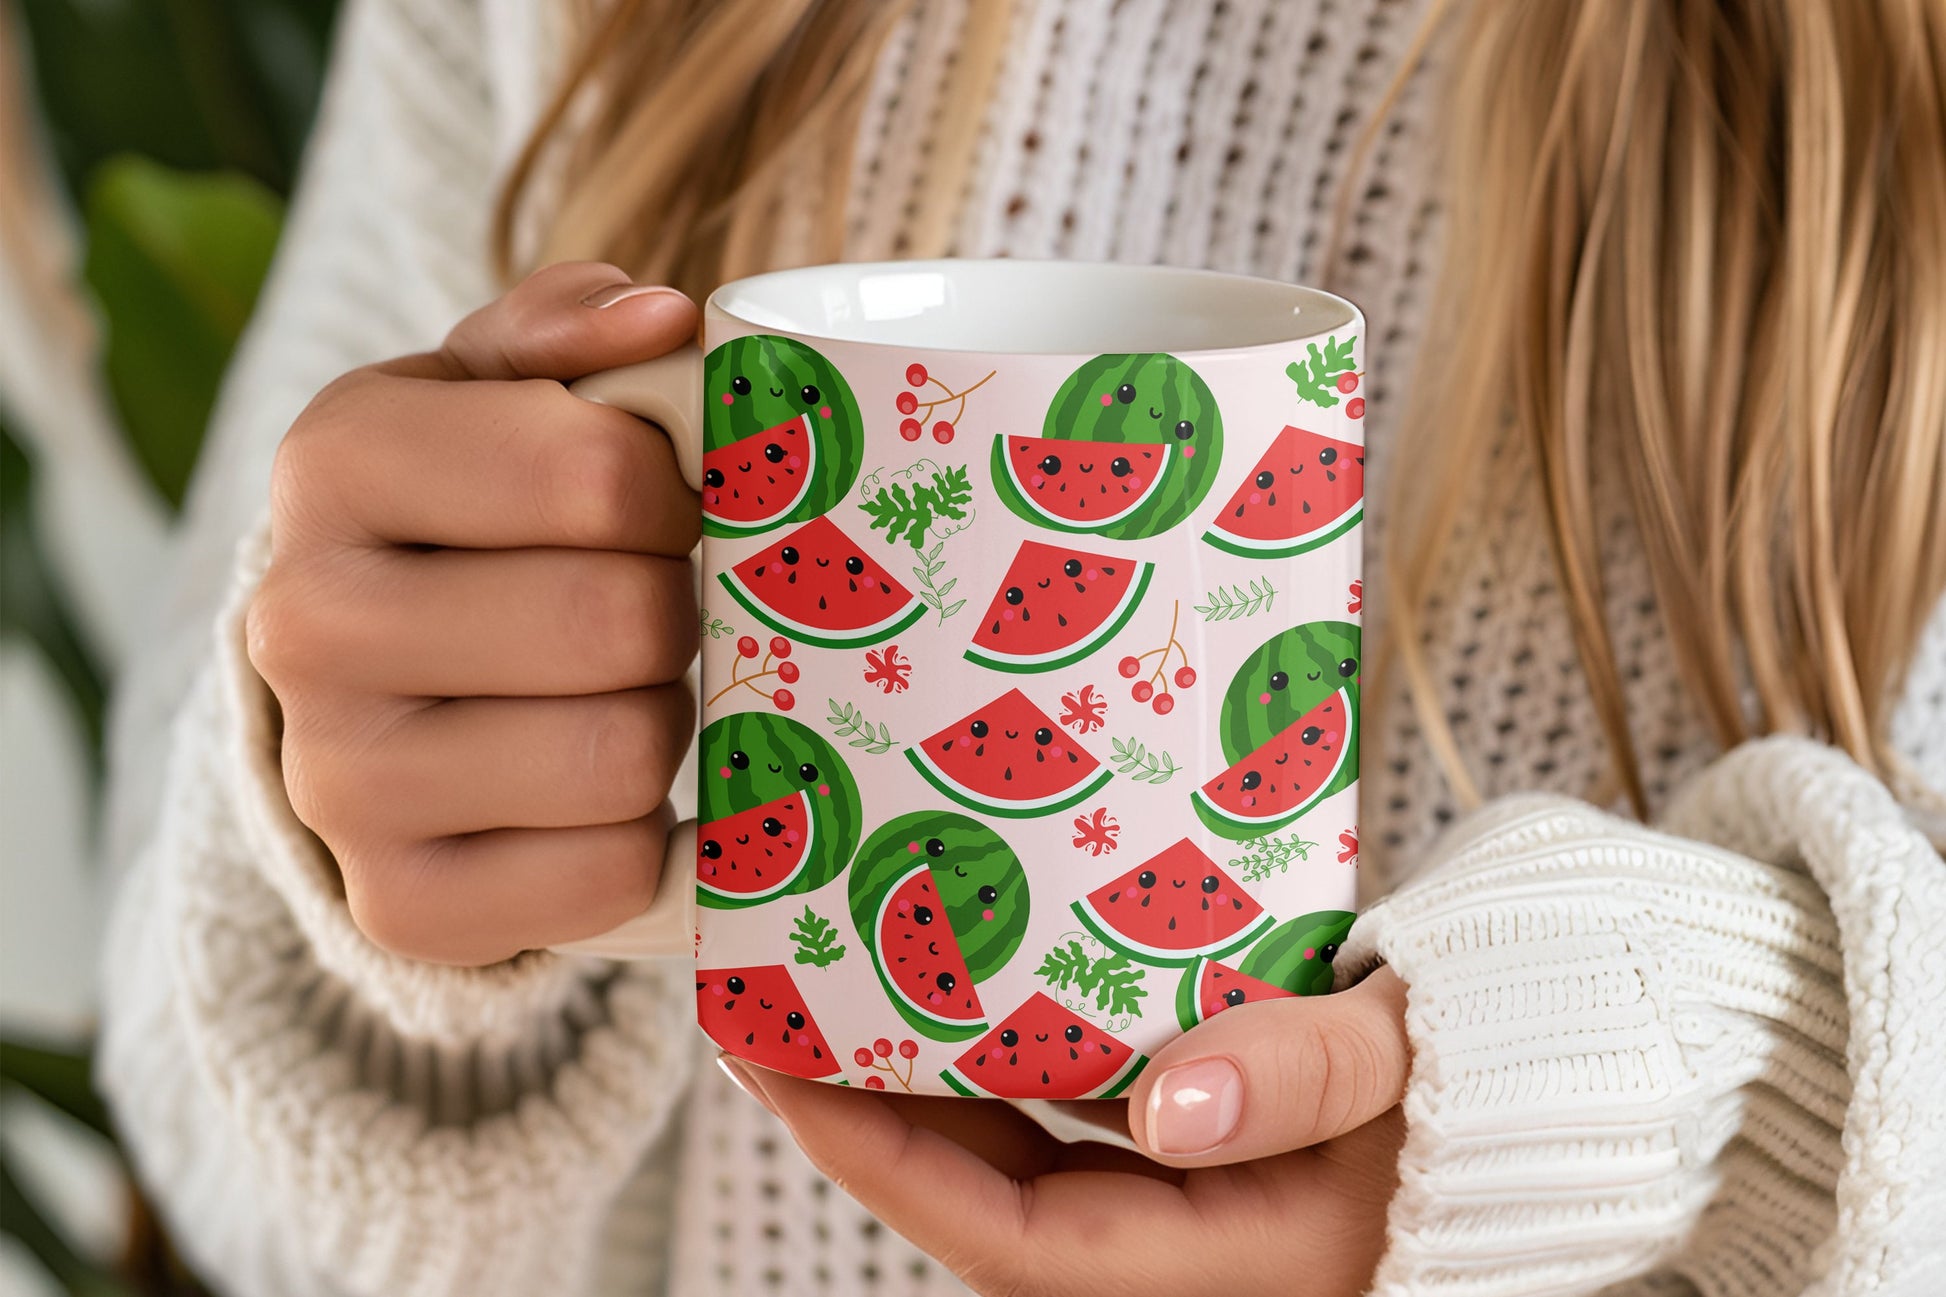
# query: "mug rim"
885, 303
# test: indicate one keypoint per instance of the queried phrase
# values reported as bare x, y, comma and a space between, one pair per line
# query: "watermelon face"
758, 1015
758, 769
1117, 421
1172, 909
1055, 606
819, 586
1043, 1051
1296, 956
755, 854
1208, 988
941, 902
1008, 758
1305, 491
782, 438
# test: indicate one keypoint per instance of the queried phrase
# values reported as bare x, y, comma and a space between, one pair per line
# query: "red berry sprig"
879, 1059
776, 663
916, 412
1144, 690
1347, 384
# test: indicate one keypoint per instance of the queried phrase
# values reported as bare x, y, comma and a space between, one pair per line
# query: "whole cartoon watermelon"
782, 437
1129, 449
777, 811
940, 901
1292, 959
1289, 726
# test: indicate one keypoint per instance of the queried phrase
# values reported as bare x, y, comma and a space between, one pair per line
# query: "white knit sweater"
1693, 1059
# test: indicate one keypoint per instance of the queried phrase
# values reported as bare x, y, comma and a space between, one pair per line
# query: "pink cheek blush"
716, 988
1037, 481
724, 771
987, 915
965, 742
1310, 953
795, 461
711, 497
1189, 452
1056, 751
824, 790
792, 836
913, 847
1264, 698
824, 412
1106, 399
1007, 614
1256, 498
729, 398
1330, 737
776, 568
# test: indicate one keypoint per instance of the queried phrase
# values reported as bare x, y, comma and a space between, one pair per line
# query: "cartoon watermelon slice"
1007, 758
1209, 987
1076, 486
1292, 959
1055, 606
763, 779
782, 437
1043, 1051
757, 853
756, 482
817, 585
1306, 490
758, 1014
1172, 908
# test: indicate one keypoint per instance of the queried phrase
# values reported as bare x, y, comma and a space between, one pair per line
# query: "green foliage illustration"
850, 723
1263, 856
1141, 765
909, 515
1236, 602
1317, 377
1111, 979
815, 937
714, 627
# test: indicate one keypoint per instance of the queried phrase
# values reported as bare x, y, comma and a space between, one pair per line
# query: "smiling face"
782, 437
753, 759
978, 879
1285, 678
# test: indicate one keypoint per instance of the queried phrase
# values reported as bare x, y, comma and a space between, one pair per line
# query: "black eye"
989, 894
1072, 567
740, 385
735, 985
712, 850
1266, 480
1328, 456
922, 915
713, 478
774, 453
1234, 996
789, 554
1125, 393
946, 982
772, 827
1210, 883
1185, 430
740, 759
1252, 781
1051, 465
1073, 1033
1348, 668
855, 565
979, 729
1120, 467
1146, 878
795, 1019
1311, 734
1015, 594
808, 773
1043, 736
810, 394
935, 848
1328, 951
1010, 1038
1278, 681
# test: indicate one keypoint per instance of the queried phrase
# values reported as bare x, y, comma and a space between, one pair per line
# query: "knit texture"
1638, 1054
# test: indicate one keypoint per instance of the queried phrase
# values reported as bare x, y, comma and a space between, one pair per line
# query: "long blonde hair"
1697, 241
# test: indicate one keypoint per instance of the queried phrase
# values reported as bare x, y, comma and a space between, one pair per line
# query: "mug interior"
1031, 307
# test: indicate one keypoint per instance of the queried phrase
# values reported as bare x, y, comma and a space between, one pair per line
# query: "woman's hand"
1274, 1131
476, 619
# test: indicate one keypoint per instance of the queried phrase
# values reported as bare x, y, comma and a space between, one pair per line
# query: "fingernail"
613, 293
745, 1079
1195, 1107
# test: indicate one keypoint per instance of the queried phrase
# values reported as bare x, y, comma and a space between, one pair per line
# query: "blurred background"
146, 151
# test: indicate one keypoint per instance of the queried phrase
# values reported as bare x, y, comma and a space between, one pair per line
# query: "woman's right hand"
477, 618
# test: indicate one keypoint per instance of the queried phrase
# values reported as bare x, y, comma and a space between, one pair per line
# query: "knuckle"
628, 758
593, 487
278, 634
384, 891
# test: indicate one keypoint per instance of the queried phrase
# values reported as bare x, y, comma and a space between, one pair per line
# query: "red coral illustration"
888, 670
1357, 601
1083, 711
1096, 834
1348, 847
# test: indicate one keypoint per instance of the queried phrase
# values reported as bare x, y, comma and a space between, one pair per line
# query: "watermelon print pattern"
1058, 620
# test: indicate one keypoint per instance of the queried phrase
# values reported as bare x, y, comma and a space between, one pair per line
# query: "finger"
569, 320
1265, 1078
480, 465
471, 764
474, 623
486, 897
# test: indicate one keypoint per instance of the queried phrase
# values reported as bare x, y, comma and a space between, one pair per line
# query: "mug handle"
668, 392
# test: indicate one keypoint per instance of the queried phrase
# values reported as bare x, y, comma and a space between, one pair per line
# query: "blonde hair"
1692, 241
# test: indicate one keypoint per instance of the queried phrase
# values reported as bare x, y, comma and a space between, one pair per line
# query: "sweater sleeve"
1694, 1054
313, 1114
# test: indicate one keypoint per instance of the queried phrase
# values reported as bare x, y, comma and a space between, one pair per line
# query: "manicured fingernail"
613, 293
1195, 1107
745, 1078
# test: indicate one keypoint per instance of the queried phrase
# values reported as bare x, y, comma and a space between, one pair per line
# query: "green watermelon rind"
1114, 1088
966, 797
844, 810
841, 447
1189, 1000
1101, 931
865, 636
927, 1024
722, 900
1090, 644
1285, 548
724, 528
1292, 936
1021, 503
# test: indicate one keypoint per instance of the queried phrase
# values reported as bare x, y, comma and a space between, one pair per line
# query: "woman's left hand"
1273, 1132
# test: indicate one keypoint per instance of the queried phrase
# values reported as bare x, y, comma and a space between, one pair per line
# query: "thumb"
567, 321
1262, 1079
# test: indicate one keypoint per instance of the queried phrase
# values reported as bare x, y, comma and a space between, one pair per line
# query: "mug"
1030, 664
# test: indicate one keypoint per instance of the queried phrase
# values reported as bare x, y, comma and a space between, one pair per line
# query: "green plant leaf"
175, 261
